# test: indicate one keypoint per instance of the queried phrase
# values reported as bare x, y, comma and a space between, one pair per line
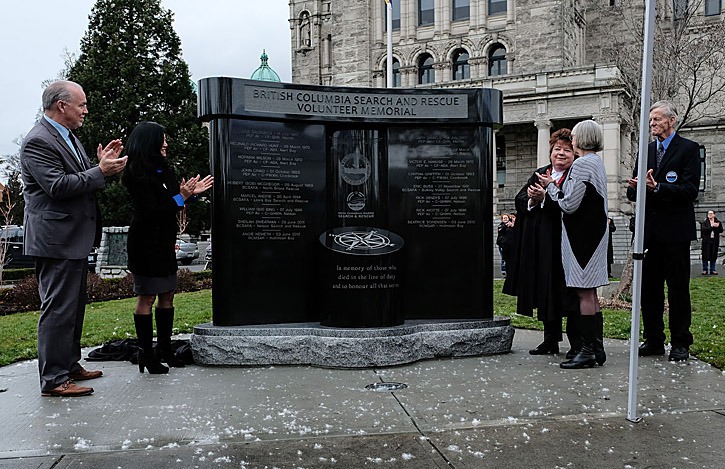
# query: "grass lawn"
113, 320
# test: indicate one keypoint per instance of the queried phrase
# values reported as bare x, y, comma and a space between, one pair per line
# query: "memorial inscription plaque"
350, 207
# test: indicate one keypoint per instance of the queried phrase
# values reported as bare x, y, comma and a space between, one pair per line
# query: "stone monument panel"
272, 201
437, 181
350, 207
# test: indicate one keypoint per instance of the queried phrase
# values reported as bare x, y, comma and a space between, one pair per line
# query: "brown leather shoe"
83, 374
68, 389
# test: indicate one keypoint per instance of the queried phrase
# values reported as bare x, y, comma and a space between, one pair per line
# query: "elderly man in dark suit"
673, 180
62, 222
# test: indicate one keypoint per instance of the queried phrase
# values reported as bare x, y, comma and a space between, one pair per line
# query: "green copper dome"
265, 72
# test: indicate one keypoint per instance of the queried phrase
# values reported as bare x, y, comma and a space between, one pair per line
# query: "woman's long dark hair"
144, 152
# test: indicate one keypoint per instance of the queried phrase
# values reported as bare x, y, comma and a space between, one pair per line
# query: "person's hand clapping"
202, 185
651, 183
545, 179
536, 193
109, 159
186, 188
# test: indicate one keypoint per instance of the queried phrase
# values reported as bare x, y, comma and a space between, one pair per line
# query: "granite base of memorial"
313, 344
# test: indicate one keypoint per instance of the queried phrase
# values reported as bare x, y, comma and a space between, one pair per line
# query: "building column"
379, 25
473, 9
612, 130
542, 142
409, 14
444, 72
510, 11
442, 18
477, 67
408, 77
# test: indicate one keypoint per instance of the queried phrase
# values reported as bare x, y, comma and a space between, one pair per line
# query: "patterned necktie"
659, 154
77, 150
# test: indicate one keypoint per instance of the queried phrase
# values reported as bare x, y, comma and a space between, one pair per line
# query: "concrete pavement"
514, 410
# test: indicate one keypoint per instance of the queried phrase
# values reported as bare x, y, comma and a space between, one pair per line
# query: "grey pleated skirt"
143, 285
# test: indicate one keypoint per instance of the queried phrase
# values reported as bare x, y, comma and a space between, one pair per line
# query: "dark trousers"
62, 289
670, 263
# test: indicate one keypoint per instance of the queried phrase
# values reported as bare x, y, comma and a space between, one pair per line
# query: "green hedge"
17, 274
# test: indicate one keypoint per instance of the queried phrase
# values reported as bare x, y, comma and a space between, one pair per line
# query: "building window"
679, 9
426, 73
713, 7
396, 73
496, 7
703, 177
396, 14
461, 10
497, 61
305, 34
426, 12
461, 68
500, 160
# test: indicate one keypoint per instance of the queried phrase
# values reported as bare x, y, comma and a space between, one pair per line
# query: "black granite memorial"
350, 207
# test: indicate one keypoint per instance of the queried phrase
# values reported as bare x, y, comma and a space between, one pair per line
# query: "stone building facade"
543, 54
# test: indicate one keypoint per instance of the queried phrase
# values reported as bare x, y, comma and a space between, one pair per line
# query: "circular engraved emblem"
355, 169
356, 201
361, 241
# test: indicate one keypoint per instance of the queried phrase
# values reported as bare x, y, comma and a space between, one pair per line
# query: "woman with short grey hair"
582, 197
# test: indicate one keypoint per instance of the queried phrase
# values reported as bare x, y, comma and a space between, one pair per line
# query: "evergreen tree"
131, 69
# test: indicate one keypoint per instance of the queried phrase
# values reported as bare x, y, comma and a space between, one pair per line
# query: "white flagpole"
390, 42
637, 253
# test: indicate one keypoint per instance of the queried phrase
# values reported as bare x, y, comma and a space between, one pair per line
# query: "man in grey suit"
62, 222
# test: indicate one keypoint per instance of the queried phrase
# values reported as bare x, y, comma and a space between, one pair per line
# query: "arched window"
497, 61
461, 68
397, 83
305, 31
396, 73
426, 73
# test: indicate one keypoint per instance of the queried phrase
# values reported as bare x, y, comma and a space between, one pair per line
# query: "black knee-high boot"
573, 334
164, 327
599, 352
146, 357
585, 358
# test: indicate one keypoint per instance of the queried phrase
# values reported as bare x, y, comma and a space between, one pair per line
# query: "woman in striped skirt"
582, 198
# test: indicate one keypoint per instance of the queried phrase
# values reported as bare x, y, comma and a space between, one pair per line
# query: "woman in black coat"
710, 230
156, 197
504, 239
536, 274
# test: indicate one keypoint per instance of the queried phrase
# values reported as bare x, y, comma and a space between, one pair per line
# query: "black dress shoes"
647, 349
545, 348
679, 353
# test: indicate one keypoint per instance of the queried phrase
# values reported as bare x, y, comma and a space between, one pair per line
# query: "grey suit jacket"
61, 215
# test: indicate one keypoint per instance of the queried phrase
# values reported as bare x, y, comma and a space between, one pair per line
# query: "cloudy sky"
218, 38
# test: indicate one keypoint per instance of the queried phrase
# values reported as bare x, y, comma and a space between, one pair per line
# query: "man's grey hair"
668, 108
589, 136
57, 91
